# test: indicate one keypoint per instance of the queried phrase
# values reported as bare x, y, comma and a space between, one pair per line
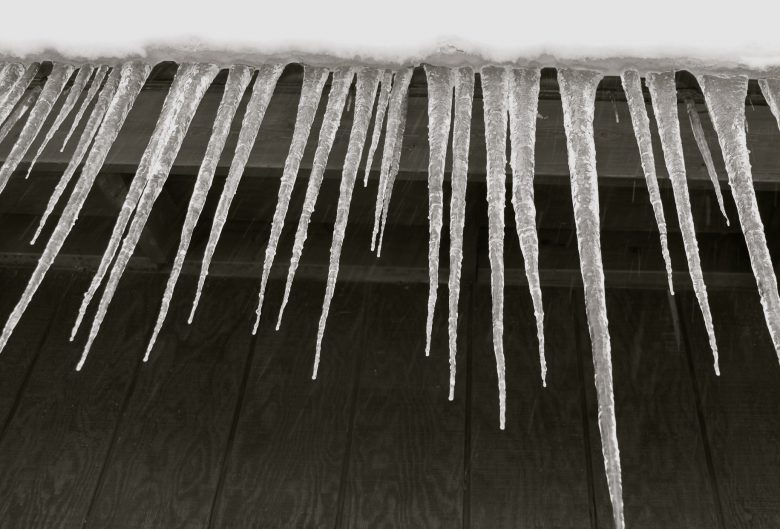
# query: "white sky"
733, 31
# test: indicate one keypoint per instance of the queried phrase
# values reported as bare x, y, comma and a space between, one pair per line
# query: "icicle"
495, 88
366, 88
395, 114
91, 128
97, 82
187, 89
578, 96
664, 96
19, 111
79, 82
313, 82
9, 75
725, 97
262, 90
59, 75
439, 117
133, 76
523, 104
342, 80
704, 149
461, 134
381, 108
771, 90
236, 85
12, 95
632, 85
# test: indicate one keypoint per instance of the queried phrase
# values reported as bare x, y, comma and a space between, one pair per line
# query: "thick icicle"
725, 97
704, 149
366, 87
187, 89
97, 82
59, 75
313, 82
342, 80
79, 82
461, 134
20, 110
578, 96
10, 73
632, 85
523, 104
91, 128
495, 89
381, 108
236, 85
133, 76
14, 93
262, 90
664, 96
439, 118
396, 114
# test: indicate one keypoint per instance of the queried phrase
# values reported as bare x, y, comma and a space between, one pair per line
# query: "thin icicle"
25, 104
523, 104
439, 118
395, 114
381, 108
59, 75
725, 98
187, 89
632, 85
97, 82
79, 82
12, 95
578, 96
262, 90
91, 128
366, 87
311, 91
236, 85
342, 80
704, 149
495, 89
10, 73
133, 76
461, 134
664, 96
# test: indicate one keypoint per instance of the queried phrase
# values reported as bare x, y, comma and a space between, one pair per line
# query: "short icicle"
578, 96
664, 96
381, 109
12, 95
97, 82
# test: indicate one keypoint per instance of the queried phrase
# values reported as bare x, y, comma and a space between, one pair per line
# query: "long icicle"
87, 135
495, 89
311, 91
25, 104
704, 149
578, 96
664, 96
262, 90
439, 119
10, 73
461, 135
381, 108
133, 76
342, 80
237, 82
523, 104
97, 82
186, 92
632, 86
79, 82
59, 75
13, 94
725, 97
366, 88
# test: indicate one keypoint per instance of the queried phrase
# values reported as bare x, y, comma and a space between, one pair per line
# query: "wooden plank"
165, 465
406, 464
740, 408
55, 446
533, 474
286, 462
